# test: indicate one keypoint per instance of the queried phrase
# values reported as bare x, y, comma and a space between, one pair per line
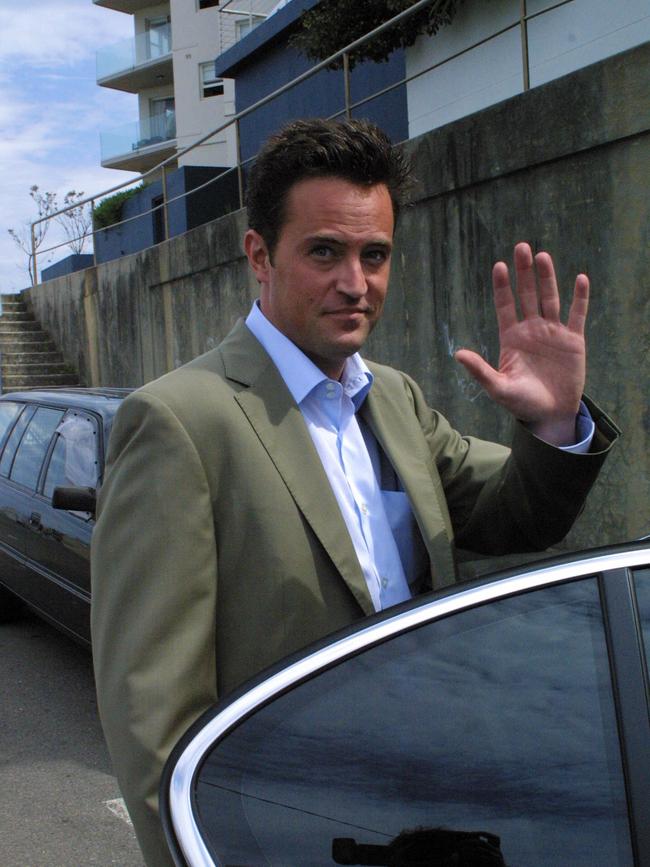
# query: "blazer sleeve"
153, 604
504, 501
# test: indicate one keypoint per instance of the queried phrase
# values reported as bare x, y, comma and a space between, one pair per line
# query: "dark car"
49, 440
504, 721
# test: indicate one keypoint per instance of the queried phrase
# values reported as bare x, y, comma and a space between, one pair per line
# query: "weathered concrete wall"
565, 166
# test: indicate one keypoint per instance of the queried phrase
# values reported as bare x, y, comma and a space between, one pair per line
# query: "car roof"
102, 400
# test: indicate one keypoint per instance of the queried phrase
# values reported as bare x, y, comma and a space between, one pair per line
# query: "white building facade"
169, 65
519, 46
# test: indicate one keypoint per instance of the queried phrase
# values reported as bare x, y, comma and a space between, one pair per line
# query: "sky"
51, 113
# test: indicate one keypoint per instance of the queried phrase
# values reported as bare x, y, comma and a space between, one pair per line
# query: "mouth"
350, 311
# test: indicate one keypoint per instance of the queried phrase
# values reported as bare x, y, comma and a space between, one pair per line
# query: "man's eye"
322, 251
376, 257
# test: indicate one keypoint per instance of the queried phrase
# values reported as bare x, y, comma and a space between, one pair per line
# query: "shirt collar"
299, 373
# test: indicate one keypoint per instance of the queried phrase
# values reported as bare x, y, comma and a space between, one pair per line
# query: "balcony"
128, 6
135, 64
139, 146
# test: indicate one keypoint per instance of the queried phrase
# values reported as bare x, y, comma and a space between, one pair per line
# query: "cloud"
51, 112
58, 33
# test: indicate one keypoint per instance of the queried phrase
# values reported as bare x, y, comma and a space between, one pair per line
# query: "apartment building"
169, 65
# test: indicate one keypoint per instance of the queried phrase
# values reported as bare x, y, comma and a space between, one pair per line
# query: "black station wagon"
49, 440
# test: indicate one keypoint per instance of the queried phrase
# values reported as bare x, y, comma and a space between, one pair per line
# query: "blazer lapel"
278, 422
393, 425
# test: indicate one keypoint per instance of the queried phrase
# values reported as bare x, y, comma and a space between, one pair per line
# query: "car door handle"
35, 521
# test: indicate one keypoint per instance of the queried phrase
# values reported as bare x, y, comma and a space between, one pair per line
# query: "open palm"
541, 371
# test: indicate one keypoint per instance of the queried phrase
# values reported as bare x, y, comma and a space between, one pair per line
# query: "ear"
257, 255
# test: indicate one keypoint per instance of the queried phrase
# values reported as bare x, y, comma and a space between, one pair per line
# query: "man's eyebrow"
324, 239
340, 242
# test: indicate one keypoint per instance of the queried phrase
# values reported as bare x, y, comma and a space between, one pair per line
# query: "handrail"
343, 53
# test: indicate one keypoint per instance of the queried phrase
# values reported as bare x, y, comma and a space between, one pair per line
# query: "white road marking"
118, 808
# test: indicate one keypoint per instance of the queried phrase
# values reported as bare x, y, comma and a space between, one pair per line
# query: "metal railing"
342, 56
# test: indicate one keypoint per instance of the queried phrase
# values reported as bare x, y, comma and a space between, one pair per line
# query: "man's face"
326, 286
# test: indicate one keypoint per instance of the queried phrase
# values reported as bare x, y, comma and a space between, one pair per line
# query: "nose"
351, 278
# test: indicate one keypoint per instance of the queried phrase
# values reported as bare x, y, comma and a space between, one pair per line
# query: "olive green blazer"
219, 545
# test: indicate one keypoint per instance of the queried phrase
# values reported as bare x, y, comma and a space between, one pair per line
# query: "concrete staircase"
29, 358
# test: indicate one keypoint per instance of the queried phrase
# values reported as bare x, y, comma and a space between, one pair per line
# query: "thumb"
478, 368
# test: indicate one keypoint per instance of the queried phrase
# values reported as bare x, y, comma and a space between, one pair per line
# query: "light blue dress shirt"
380, 523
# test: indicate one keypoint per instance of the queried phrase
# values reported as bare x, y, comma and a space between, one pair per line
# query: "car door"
507, 718
13, 420
22, 464
57, 542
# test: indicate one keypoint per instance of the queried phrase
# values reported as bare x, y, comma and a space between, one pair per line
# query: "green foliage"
333, 24
109, 210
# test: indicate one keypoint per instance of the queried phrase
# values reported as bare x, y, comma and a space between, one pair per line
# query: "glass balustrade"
131, 53
130, 137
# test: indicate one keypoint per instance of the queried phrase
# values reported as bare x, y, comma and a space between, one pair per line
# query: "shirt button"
384, 583
364, 509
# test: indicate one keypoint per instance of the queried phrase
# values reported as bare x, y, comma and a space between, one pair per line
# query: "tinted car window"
498, 719
74, 460
8, 412
33, 447
642, 586
14, 441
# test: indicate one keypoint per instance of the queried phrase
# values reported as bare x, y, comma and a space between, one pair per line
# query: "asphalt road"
59, 802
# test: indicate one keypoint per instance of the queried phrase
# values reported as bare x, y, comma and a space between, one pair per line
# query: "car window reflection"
14, 441
74, 461
499, 719
33, 447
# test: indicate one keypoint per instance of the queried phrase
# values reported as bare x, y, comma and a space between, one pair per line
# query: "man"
278, 487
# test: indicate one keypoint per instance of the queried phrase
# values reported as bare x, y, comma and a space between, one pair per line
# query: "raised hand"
541, 371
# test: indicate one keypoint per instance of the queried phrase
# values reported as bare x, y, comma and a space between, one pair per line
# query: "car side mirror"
75, 499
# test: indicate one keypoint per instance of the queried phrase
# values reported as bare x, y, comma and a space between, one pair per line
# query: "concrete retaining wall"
565, 166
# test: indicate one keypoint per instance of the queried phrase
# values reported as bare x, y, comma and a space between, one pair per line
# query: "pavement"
60, 805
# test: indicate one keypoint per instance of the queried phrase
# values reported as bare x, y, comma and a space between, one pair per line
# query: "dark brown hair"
355, 150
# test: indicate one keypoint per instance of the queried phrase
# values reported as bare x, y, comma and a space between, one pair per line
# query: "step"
16, 316
45, 357
23, 333
35, 368
27, 325
12, 298
26, 345
44, 380
13, 307
12, 388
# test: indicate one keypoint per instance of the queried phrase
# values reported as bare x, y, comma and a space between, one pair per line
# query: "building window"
243, 26
210, 84
208, 4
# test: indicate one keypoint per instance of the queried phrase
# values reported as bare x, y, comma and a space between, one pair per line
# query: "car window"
642, 587
498, 719
74, 460
14, 441
33, 446
8, 412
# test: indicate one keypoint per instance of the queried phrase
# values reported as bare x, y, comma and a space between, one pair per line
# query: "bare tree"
46, 205
76, 221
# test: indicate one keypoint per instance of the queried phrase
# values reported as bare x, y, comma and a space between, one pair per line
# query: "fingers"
537, 291
504, 302
526, 282
579, 305
549, 296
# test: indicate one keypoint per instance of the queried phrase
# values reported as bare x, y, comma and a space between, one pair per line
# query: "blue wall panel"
322, 95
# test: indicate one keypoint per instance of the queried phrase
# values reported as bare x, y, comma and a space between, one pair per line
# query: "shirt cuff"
585, 429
